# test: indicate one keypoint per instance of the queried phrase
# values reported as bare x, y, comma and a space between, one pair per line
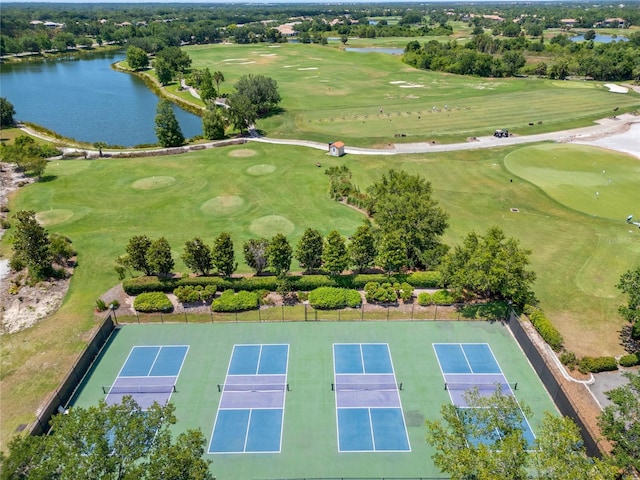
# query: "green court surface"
309, 439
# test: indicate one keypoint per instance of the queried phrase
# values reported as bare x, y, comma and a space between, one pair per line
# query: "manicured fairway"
310, 434
374, 99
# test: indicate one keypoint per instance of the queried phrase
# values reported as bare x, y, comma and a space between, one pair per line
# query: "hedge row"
544, 327
150, 302
630, 360
305, 283
229, 301
197, 293
331, 298
597, 364
440, 297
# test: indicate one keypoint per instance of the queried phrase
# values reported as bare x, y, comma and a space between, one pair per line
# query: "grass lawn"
367, 99
579, 250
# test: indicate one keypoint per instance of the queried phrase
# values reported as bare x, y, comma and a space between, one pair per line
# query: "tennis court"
467, 366
149, 375
251, 409
261, 393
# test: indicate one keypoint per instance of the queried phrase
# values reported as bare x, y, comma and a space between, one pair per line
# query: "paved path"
593, 135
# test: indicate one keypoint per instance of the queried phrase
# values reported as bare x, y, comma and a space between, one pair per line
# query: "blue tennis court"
251, 409
368, 408
149, 375
467, 366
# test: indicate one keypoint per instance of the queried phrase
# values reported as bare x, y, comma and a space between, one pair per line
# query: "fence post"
316, 314
138, 316
186, 320
161, 318
211, 314
305, 312
362, 312
259, 315
435, 317
413, 306
283, 313
236, 314
387, 313
339, 314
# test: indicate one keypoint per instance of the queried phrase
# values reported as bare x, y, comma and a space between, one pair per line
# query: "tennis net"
480, 386
354, 387
124, 389
253, 387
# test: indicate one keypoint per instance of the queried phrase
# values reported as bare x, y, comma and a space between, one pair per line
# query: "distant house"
568, 22
336, 149
614, 23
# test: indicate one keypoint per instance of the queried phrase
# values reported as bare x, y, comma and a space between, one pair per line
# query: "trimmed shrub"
569, 359
544, 327
138, 285
303, 296
635, 331
380, 293
430, 279
597, 364
153, 302
424, 299
193, 294
306, 283
443, 297
230, 301
405, 292
331, 298
359, 282
630, 360
101, 306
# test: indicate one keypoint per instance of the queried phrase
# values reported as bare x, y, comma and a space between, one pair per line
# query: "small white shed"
336, 149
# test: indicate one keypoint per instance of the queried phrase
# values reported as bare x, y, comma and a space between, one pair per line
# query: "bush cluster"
230, 301
149, 302
630, 360
305, 283
380, 292
635, 331
569, 359
440, 297
331, 298
597, 364
544, 327
197, 293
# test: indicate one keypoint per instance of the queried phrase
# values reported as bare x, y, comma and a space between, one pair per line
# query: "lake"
392, 51
85, 99
600, 39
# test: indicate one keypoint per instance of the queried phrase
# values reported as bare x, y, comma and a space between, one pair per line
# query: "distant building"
568, 22
336, 149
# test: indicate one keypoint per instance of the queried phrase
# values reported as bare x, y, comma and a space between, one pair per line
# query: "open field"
309, 420
367, 99
579, 251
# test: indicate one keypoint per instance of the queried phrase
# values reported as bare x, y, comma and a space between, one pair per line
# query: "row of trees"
29, 156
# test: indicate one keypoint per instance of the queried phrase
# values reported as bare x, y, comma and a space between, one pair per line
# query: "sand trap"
397, 82
242, 152
235, 59
268, 54
246, 63
53, 217
412, 85
152, 183
625, 142
273, 46
270, 225
309, 68
222, 205
613, 88
312, 76
290, 66
259, 170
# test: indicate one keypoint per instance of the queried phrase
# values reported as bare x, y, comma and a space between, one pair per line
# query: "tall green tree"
309, 249
629, 284
392, 253
7, 111
159, 257
403, 203
490, 266
197, 256
178, 59
218, 78
256, 253
137, 58
137, 249
261, 91
242, 112
223, 255
620, 424
109, 442
164, 71
31, 245
279, 254
207, 91
362, 250
214, 122
335, 258
167, 127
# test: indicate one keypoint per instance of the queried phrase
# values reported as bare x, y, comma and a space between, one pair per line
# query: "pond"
600, 38
85, 99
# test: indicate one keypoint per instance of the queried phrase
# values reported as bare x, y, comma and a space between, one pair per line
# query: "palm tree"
218, 77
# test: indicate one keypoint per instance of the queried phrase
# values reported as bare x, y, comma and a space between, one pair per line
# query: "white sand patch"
274, 46
290, 66
4, 268
626, 142
397, 82
613, 88
235, 59
412, 85
268, 54
312, 76
309, 68
246, 63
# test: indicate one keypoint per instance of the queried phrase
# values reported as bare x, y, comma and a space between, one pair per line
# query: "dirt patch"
242, 152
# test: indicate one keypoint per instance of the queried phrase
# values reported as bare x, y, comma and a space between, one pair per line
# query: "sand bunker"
270, 225
309, 68
290, 66
235, 59
53, 217
259, 170
222, 205
412, 85
152, 183
242, 152
397, 82
268, 54
613, 88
